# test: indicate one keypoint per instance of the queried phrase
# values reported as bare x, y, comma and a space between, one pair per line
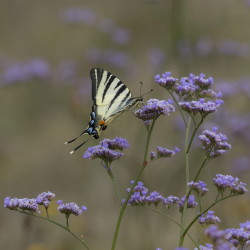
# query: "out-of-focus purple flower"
238, 236
206, 247
214, 233
45, 198
245, 225
215, 144
190, 204
223, 182
106, 150
121, 35
11, 204
241, 165
201, 107
116, 143
208, 219
164, 152
78, 15
204, 47
156, 56
70, 208
199, 187
166, 80
153, 109
170, 201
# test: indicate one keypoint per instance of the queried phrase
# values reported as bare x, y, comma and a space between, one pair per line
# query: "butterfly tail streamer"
71, 152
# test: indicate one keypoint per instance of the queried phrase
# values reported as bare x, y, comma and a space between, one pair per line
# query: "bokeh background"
47, 49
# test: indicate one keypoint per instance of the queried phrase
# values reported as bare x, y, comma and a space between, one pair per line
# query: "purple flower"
202, 82
24, 204
11, 204
120, 35
238, 236
45, 198
208, 219
215, 144
163, 152
223, 182
190, 204
106, 150
214, 233
170, 201
70, 208
199, 187
245, 225
153, 109
186, 87
200, 106
206, 247
166, 80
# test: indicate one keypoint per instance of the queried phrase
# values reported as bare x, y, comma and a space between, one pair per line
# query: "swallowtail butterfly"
110, 99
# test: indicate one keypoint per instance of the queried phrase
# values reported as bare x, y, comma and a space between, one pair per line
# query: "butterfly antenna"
67, 142
71, 152
141, 88
145, 93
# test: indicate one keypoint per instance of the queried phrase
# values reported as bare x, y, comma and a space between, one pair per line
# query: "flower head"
166, 80
11, 204
153, 109
45, 198
223, 182
238, 236
163, 152
24, 204
70, 208
106, 150
199, 187
215, 144
208, 219
191, 203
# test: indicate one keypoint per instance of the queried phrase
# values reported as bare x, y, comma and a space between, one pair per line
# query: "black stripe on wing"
121, 89
96, 77
108, 82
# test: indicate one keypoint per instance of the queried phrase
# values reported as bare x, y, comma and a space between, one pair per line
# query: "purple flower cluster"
142, 196
199, 187
206, 247
228, 182
70, 208
24, 204
238, 236
106, 150
45, 198
163, 152
191, 203
201, 106
208, 219
23, 72
166, 80
153, 109
215, 144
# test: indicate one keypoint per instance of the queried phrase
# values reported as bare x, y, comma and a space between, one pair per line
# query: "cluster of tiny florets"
142, 196
106, 150
23, 204
163, 152
191, 203
199, 187
215, 144
228, 182
153, 109
45, 198
166, 80
70, 208
209, 218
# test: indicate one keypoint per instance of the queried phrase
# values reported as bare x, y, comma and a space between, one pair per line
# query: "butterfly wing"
110, 95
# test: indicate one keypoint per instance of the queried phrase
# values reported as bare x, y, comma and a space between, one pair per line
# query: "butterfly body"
110, 99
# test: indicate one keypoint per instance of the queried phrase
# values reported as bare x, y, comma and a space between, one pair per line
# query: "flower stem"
114, 183
59, 225
124, 205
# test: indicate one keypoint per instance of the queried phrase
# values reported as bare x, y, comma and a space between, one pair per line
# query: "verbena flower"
45, 198
224, 182
190, 204
70, 208
106, 150
186, 87
201, 106
215, 144
11, 204
166, 80
153, 109
24, 204
163, 152
208, 219
142, 196
199, 187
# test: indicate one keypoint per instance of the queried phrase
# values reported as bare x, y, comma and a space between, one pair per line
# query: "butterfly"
110, 98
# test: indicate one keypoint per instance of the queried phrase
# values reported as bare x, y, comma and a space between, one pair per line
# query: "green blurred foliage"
38, 115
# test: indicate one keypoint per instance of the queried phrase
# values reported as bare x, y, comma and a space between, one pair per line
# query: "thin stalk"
196, 217
183, 214
59, 225
173, 220
179, 108
124, 205
115, 185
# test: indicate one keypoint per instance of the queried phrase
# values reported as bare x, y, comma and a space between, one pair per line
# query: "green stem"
124, 205
114, 183
196, 217
183, 214
179, 108
59, 225
173, 220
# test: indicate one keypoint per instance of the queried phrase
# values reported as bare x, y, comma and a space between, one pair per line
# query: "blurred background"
47, 49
